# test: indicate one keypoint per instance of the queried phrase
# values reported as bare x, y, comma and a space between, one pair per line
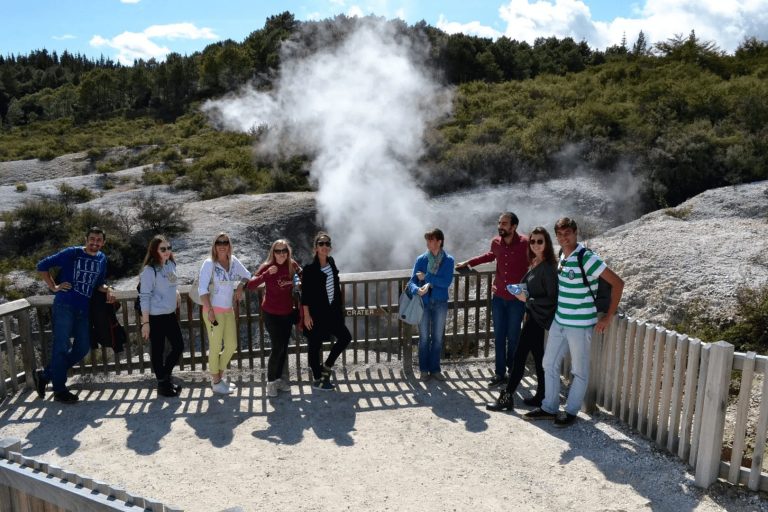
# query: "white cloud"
64, 37
140, 45
129, 1
725, 22
474, 28
355, 11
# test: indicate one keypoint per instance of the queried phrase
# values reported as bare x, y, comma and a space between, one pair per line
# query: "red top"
278, 299
511, 263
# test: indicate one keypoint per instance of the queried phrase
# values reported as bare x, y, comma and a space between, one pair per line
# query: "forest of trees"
680, 113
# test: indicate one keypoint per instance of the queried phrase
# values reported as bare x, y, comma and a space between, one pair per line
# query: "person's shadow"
286, 421
628, 462
144, 437
217, 416
58, 425
452, 403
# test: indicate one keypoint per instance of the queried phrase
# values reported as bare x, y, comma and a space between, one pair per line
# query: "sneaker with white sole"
283, 385
221, 388
438, 376
272, 388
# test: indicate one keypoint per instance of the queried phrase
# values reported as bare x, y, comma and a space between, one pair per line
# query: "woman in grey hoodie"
159, 301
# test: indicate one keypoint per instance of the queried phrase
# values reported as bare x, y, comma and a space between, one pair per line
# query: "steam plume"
360, 108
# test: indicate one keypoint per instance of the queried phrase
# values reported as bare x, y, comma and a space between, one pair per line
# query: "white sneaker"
229, 383
272, 388
221, 388
283, 385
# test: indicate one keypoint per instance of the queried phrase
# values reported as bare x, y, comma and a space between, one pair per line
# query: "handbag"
411, 308
194, 293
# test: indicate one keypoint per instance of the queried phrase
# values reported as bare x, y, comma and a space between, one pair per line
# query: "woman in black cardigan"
323, 311
540, 297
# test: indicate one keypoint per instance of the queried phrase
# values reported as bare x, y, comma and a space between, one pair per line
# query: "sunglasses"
281, 251
222, 242
540, 241
324, 244
165, 249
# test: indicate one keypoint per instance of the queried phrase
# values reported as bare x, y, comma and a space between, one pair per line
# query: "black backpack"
137, 302
602, 298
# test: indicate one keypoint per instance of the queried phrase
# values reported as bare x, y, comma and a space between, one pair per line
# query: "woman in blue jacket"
432, 276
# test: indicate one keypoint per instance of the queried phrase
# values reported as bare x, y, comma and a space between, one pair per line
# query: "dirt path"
381, 442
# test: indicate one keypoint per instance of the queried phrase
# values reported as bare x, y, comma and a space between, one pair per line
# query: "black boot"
505, 402
165, 388
534, 401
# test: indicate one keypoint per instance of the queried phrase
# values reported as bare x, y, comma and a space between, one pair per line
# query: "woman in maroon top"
279, 273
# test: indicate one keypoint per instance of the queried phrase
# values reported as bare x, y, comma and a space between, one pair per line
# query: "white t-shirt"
224, 283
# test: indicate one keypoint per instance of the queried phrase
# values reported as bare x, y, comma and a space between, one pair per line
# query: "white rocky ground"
701, 251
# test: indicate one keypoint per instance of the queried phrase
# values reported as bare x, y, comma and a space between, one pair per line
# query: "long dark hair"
152, 258
549, 251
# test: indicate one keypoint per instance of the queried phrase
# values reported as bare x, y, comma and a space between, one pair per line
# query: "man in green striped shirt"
575, 320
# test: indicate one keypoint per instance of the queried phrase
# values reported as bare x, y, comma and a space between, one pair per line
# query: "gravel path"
382, 442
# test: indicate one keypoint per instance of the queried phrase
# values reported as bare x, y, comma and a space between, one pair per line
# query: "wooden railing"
675, 390
29, 485
667, 386
371, 309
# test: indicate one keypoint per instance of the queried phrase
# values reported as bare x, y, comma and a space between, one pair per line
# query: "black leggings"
160, 328
321, 332
279, 329
531, 340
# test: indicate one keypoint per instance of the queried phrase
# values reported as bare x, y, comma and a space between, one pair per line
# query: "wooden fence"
667, 386
675, 390
28, 485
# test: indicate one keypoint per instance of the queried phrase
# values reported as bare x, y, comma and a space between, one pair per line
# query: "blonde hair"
271, 255
214, 255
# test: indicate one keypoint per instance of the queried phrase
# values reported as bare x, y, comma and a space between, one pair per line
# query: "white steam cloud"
360, 108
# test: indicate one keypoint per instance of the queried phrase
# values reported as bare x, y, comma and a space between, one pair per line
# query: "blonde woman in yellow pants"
221, 286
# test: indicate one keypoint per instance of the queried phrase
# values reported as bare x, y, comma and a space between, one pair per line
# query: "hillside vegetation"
681, 114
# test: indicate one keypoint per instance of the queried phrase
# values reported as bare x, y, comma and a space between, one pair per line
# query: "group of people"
222, 279
534, 291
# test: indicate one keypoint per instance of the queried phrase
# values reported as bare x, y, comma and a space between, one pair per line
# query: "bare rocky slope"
700, 252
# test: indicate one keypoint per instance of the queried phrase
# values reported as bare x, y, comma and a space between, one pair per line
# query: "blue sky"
126, 29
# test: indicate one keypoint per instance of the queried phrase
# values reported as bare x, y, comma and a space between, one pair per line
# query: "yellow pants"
222, 340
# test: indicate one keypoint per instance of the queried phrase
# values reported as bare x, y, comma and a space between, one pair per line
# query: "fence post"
27, 350
715, 403
407, 350
595, 371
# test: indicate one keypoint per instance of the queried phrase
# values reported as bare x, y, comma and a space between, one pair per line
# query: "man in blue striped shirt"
575, 320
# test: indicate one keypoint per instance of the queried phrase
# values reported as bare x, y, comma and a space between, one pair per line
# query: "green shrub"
151, 176
21, 186
747, 331
70, 195
681, 212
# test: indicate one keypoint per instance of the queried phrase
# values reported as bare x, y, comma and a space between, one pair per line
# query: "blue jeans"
68, 322
507, 319
431, 333
561, 339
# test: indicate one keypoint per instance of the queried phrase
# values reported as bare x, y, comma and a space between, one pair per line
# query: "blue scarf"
433, 262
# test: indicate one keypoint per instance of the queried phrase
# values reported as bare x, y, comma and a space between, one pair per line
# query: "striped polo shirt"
575, 306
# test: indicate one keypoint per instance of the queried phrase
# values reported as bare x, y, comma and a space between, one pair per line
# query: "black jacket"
313, 292
542, 289
105, 328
